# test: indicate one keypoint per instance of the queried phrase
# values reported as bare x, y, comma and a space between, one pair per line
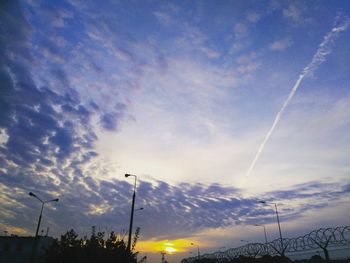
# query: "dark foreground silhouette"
270, 259
71, 249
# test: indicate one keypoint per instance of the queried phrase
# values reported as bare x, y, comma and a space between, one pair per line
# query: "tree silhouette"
70, 249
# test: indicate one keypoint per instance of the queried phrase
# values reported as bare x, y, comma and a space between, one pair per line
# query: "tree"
94, 249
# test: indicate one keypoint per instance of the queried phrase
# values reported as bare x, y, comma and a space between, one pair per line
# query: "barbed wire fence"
323, 238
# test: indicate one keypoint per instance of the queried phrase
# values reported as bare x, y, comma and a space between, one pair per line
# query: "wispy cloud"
295, 13
163, 17
280, 45
323, 50
240, 29
253, 17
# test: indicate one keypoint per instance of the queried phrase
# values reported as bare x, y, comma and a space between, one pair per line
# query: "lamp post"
278, 222
132, 211
39, 221
264, 232
199, 256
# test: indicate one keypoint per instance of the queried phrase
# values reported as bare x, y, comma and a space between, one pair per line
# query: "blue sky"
181, 93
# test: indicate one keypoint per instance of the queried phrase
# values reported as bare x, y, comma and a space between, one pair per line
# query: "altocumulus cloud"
47, 135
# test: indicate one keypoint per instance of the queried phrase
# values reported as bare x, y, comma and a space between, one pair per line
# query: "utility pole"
163, 256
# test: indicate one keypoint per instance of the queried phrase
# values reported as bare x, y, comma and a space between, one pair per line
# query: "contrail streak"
323, 50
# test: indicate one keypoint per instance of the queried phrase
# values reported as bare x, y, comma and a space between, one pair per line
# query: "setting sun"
170, 247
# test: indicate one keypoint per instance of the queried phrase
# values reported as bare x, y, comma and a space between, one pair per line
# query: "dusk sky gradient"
182, 94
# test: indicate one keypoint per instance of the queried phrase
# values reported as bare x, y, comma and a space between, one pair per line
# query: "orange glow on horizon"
168, 246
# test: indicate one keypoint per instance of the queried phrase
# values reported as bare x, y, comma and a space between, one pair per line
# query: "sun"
166, 246
170, 250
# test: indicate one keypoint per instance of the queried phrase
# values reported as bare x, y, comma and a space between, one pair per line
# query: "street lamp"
39, 221
278, 222
199, 257
132, 211
264, 232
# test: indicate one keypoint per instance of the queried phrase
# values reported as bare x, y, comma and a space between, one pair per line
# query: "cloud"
295, 14
292, 12
210, 52
170, 211
124, 55
51, 52
59, 40
58, 15
253, 17
163, 17
50, 121
324, 49
315, 190
247, 64
280, 45
49, 134
109, 121
240, 29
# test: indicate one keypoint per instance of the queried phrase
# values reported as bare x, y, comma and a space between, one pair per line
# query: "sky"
214, 105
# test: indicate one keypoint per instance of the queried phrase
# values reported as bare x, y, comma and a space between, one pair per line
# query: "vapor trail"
325, 48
